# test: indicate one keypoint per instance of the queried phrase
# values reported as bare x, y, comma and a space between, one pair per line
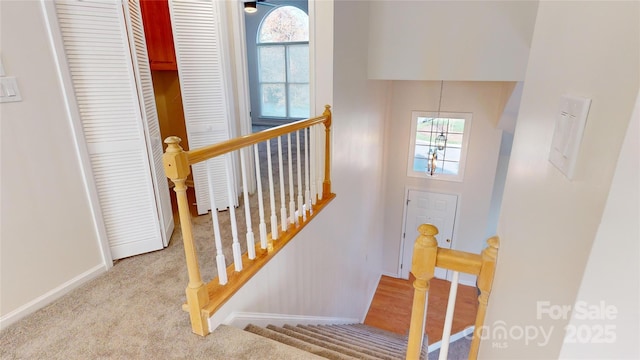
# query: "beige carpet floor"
134, 310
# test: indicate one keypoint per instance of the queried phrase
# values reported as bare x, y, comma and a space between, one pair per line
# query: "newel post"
176, 167
326, 185
485, 282
423, 267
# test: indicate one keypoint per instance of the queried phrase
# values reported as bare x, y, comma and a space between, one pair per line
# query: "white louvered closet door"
98, 58
149, 113
197, 37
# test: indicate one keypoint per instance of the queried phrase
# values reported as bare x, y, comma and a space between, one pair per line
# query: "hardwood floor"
391, 307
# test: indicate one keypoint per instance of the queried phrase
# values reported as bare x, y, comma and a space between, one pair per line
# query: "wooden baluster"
313, 162
485, 282
221, 263
292, 203
326, 184
176, 167
272, 198
301, 215
307, 191
263, 225
251, 243
283, 206
423, 266
237, 252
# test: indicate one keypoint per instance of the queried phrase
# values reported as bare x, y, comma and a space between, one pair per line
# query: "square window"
438, 146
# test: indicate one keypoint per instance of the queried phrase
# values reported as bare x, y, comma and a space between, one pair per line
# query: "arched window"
283, 64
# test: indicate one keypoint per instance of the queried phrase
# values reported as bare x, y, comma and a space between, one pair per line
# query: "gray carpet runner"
340, 342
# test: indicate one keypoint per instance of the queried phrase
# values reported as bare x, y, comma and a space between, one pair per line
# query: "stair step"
312, 340
390, 339
381, 335
358, 339
299, 344
340, 342
331, 339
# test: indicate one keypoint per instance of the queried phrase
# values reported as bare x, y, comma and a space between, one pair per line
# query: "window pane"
272, 100
450, 168
420, 164
452, 154
456, 125
284, 24
454, 140
298, 63
299, 100
271, 63
425, 138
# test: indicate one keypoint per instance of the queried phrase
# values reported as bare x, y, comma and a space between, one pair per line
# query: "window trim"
466, 134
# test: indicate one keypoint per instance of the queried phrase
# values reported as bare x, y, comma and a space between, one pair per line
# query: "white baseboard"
50, 296
393, 275
242, 319
457, 336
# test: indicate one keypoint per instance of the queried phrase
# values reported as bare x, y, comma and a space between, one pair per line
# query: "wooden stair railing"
426, 257
204, 299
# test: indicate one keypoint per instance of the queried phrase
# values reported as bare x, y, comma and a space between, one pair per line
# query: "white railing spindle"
251, 243
320, 159
263, 225
272, 198
312, 165
220, 259
301, 212
237, 252
448, 320
292, 203
283, 206
307, 191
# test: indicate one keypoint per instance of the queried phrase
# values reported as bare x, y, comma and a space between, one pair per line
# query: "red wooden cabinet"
158, 34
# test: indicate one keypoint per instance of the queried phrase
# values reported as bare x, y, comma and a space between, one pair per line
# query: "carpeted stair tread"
378, 331
358, 339
389, 339
384, 335
297, 343
312, 340
332, 339
354, 341
240, 344
357, 336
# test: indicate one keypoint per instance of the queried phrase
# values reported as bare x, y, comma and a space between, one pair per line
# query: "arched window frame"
287, 83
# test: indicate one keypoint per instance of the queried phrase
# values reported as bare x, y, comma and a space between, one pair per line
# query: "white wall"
484, 101
615, 254
548, 223
332, 267
450, 40
48, 239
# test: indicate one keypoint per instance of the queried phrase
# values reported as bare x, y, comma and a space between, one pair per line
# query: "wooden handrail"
426, 257
207, 152
177, 163
457, 260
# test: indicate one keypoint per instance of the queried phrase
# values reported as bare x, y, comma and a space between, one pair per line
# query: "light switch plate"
571, 119
9, 91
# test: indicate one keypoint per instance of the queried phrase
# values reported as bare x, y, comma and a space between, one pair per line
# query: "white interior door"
100, 83
432, 208
205, 83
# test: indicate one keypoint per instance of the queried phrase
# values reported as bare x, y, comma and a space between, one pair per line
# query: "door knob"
448, 240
